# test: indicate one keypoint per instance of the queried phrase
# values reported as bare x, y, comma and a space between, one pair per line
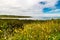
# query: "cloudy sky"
30, 7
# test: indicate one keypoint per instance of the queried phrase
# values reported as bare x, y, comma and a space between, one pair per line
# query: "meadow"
14, 29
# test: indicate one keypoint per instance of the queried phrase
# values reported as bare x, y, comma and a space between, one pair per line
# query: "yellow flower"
0, 30
16, 30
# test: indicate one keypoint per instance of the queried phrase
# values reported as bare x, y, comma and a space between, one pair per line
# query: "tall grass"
30, 30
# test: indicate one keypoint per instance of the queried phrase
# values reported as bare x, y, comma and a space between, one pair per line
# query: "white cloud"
18, 3
24, 7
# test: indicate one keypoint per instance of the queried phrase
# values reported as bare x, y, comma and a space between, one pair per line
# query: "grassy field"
11, 29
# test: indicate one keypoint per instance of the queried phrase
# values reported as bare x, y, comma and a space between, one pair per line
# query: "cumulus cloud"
24, 7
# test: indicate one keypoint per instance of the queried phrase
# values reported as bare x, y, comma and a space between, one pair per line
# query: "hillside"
12, 16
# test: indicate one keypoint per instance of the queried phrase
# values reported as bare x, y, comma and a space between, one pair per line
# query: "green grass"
13, 29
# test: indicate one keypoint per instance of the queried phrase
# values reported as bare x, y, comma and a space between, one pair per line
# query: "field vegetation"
13, 29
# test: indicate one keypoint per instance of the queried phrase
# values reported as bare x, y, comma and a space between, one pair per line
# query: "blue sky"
30, 7
57, 6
